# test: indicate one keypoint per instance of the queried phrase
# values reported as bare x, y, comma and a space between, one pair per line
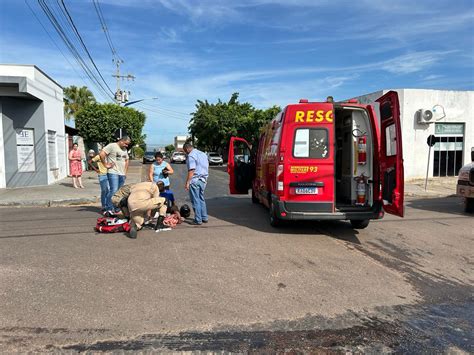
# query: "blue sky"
270, 51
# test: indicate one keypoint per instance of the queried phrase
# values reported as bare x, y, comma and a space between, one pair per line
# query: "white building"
446, 114
179, 142
33, 148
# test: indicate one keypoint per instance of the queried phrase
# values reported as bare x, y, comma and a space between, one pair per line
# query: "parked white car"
178, 157
465, 186
214, 158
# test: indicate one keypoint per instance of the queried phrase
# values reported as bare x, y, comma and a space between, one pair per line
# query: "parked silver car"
465, 186
178, 157
214, 158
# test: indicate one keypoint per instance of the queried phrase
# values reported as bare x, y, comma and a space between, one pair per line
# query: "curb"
51, 203
428, 195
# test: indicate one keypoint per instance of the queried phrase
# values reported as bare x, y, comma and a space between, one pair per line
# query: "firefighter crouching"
139, 201
119, 199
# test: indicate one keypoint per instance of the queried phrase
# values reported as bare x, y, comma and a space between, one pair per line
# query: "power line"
100, 14
71, 47
83, 44
161, 107
163, 113
54, 42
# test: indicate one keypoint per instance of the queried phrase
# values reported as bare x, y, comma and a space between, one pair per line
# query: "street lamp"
134, 102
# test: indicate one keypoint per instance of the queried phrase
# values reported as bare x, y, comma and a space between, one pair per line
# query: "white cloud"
169, 35
414, 62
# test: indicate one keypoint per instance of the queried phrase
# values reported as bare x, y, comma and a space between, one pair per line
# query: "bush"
138, 152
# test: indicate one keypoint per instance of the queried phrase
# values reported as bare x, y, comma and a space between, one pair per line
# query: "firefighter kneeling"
138, 201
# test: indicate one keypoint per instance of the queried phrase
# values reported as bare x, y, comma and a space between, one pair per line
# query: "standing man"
198, 172
114, 156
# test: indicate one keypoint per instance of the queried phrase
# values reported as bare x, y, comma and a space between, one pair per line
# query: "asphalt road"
237, 284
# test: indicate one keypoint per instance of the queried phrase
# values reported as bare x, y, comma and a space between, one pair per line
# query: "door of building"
448, 151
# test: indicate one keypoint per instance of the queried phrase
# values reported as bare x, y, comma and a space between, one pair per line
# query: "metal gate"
448, 151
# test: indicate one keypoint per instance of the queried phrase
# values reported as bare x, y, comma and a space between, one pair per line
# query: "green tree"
76, 98
169, 148
138, 152
213, 124
98, 122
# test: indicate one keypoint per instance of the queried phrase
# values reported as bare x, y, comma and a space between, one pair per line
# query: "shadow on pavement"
241, 211
94, 209
222, 168
451, 205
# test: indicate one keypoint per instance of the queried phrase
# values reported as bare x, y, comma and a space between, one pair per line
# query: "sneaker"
205, 221
194, 223
132, 234
109, 214
162, 229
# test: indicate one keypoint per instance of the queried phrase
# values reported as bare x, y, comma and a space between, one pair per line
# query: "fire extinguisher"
362, 148
361, 190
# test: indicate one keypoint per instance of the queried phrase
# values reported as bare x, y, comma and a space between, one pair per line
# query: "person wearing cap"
96, 164
114, 156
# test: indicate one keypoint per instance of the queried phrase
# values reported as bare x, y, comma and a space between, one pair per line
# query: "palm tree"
75, 98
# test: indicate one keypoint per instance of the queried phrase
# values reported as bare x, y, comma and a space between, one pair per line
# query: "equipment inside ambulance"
325, 160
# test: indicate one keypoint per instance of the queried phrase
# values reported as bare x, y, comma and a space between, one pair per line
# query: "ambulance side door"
239, 166
391, 154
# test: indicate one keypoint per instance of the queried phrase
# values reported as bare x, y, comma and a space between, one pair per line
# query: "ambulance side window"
311, 143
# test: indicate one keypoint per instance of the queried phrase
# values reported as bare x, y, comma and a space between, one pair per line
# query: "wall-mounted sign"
25, 149
25, 136
52, 158
449, 128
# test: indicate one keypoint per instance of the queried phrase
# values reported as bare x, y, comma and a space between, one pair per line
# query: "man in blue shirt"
198, 172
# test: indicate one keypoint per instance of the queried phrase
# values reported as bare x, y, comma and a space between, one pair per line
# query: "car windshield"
149, 153
178, 154
213, 155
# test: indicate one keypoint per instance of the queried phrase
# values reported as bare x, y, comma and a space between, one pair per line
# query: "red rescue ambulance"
321, 161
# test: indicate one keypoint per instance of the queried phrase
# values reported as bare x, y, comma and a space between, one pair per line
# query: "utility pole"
121, 96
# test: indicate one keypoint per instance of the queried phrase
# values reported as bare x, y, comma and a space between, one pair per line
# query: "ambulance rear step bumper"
317, 211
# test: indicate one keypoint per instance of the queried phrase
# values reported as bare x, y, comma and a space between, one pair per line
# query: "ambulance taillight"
280, 179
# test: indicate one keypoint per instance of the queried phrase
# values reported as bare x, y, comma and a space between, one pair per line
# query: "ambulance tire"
359, 223
274, 220
469, 205
254, 197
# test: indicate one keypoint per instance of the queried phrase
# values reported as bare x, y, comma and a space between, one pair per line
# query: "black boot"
160, 227
132, 234
159, 223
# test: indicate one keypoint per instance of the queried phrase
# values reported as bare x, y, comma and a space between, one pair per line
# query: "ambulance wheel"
469, 205
254, 197
274, 220
359, 223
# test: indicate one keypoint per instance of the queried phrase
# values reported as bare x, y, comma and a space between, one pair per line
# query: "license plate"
306, 190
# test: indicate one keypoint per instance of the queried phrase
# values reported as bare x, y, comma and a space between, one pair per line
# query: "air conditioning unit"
424, 116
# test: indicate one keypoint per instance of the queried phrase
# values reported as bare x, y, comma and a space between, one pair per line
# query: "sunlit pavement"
237, 284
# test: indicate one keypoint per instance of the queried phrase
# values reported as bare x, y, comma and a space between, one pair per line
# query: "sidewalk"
436, 187
63, 193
